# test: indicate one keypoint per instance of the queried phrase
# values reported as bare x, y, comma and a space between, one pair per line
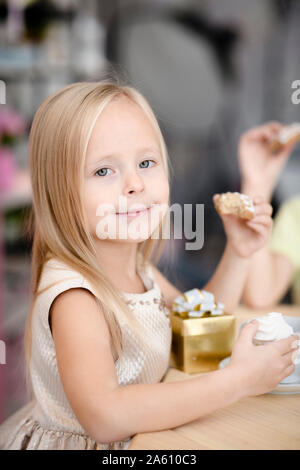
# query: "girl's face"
124, 172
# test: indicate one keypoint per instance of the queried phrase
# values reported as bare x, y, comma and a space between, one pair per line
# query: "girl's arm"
229, 278
269, 277
244, 238
109, 412
226, 283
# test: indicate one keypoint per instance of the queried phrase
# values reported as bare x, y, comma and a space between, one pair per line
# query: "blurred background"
210, 69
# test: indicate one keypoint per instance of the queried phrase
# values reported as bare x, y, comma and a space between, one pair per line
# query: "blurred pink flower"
11, 122
8, 169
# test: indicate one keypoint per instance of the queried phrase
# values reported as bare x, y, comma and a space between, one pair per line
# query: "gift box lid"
201, 326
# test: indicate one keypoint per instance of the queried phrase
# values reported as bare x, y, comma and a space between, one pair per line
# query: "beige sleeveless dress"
48, 421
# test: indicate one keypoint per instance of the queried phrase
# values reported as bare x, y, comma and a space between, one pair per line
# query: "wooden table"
263, 422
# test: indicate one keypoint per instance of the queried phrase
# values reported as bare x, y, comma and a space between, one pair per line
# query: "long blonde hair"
58, 142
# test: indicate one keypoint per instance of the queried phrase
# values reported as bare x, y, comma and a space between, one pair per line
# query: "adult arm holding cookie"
273, 267
263, 152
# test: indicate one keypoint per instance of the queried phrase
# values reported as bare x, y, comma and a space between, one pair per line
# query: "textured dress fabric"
48, 421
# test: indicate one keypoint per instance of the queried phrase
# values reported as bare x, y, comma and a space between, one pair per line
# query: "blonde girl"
98, 335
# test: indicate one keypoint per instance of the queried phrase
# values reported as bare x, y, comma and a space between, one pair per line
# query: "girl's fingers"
259, 229
260, 220
263, 209
286, 345
215, 198
261, 226
258, 200
288, 358
288, 371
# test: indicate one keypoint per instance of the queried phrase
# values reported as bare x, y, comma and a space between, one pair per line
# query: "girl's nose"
133, 184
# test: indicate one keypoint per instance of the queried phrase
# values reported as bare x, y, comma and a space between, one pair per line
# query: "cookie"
287, 135
235, 204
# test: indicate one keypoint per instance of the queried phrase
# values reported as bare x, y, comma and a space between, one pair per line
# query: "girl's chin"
129, 238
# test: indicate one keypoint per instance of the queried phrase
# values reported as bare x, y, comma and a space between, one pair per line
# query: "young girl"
276, 266
98, 335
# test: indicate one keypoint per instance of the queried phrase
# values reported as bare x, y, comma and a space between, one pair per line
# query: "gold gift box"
199, 344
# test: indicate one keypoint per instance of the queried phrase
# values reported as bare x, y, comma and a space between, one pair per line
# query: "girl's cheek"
161, 183
165, 192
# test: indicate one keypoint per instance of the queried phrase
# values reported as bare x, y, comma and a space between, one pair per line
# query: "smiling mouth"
135, 213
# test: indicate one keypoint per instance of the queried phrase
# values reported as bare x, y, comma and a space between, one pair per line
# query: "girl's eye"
100, 172
147, 161
102, 169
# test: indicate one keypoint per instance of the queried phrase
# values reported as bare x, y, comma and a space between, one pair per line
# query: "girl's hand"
245, 237
261, 368
259, 166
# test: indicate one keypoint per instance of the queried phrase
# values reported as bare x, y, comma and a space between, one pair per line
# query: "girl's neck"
119, 263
